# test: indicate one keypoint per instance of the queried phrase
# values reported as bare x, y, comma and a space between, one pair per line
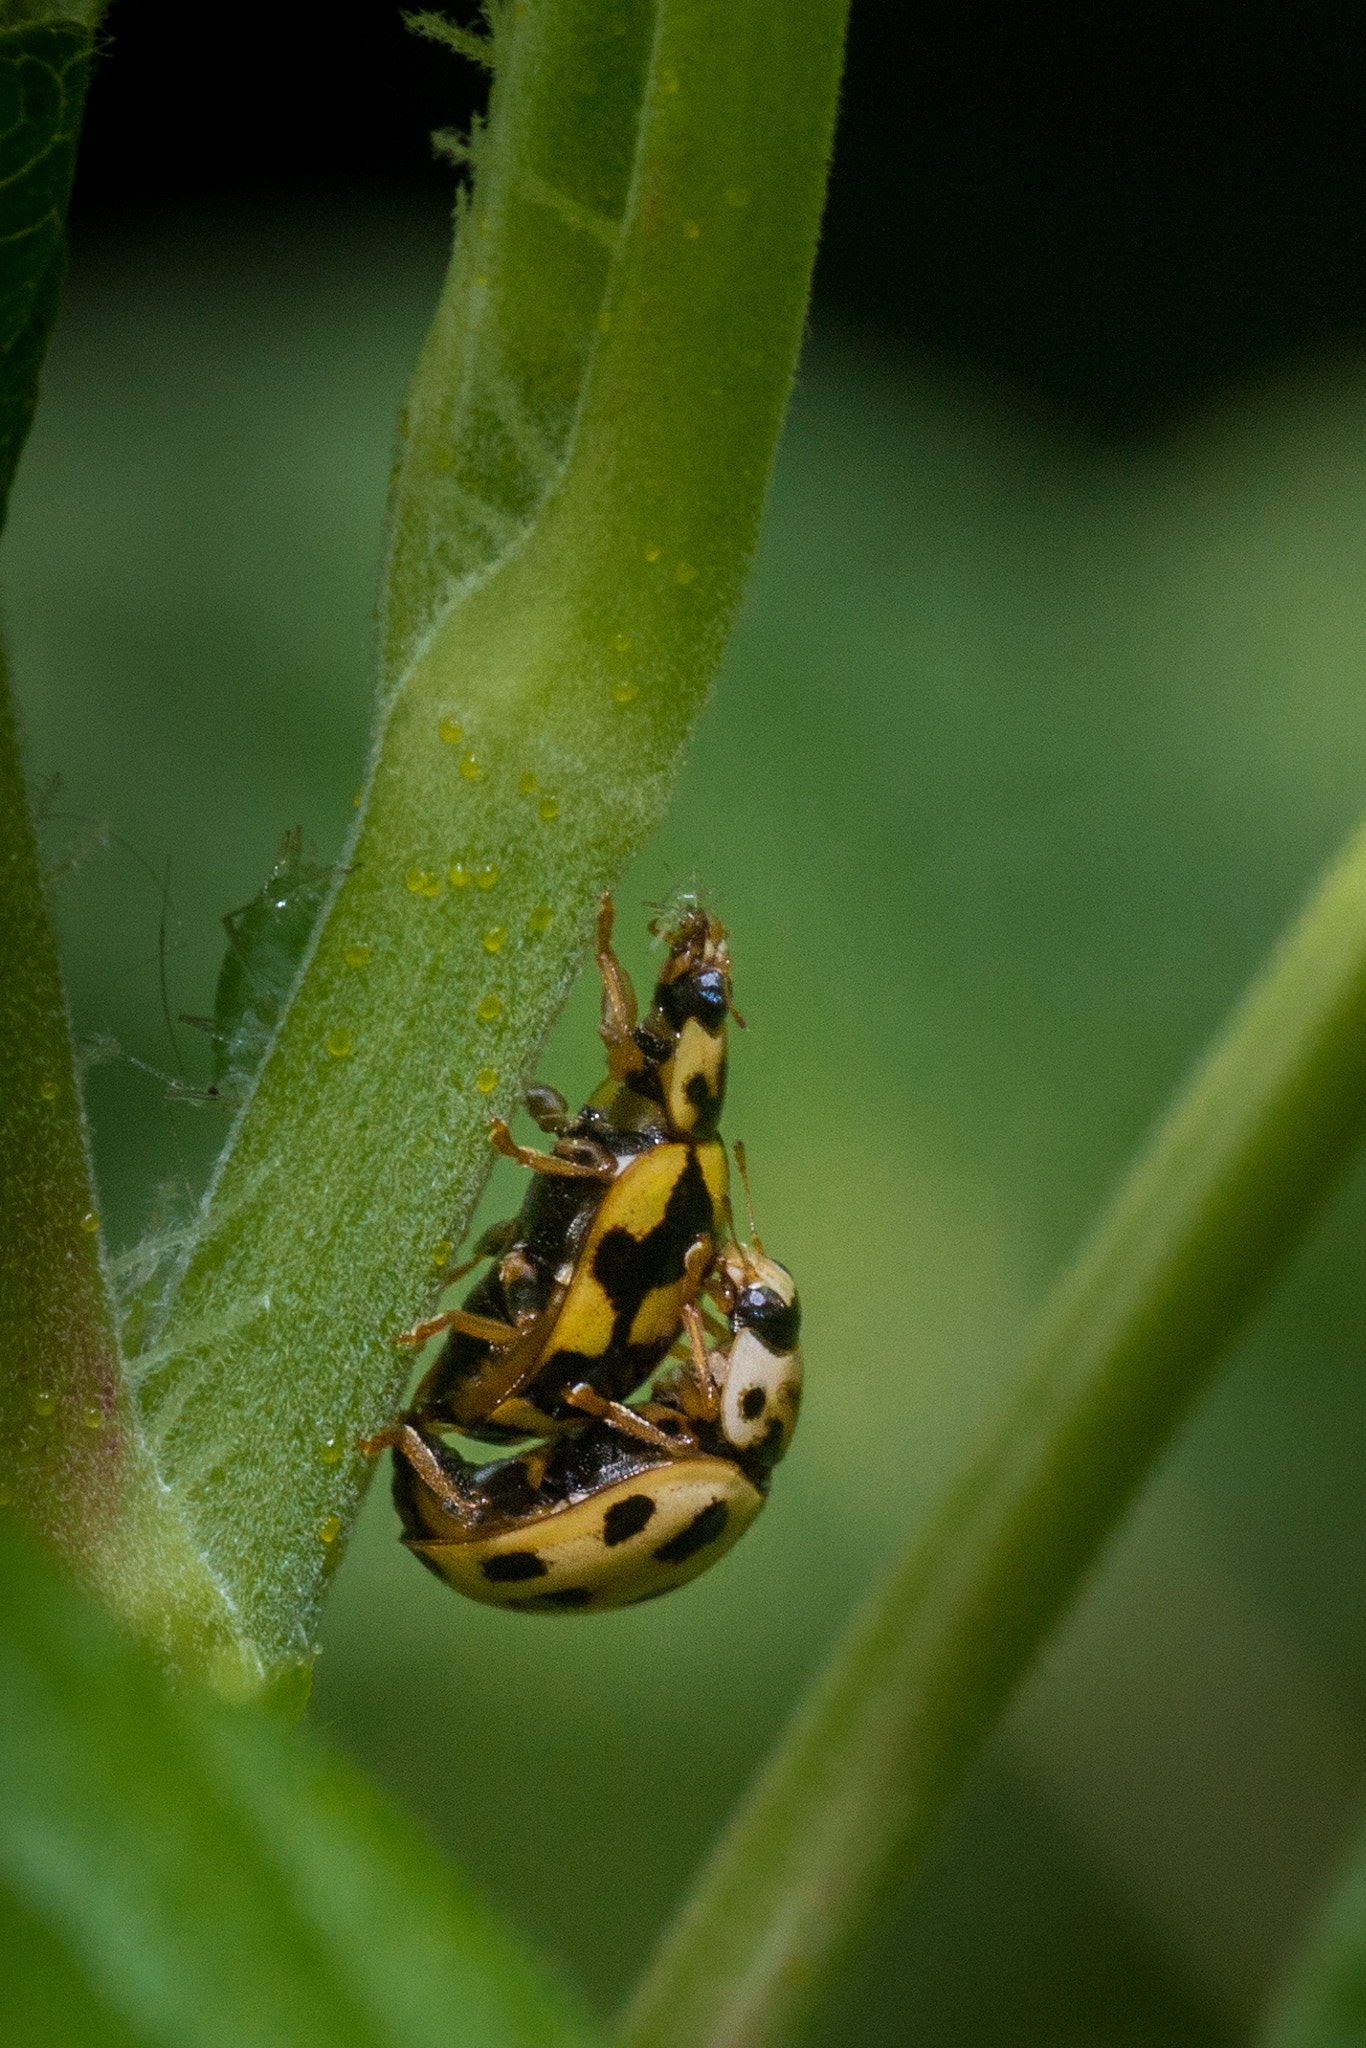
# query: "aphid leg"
424, 1461
487, 1328
629, 1422
619, 1011
592, 1162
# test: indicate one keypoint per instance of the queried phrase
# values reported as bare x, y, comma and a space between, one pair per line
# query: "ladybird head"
683, 1035
760, 1370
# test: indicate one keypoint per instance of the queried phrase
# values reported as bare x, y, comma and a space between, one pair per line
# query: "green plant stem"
72, 1459
534, 708
1205, 1219
1322, 2001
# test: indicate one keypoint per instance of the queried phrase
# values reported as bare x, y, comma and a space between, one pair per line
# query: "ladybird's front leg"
678, 1443
619, 1008
698, 1391
580, 1158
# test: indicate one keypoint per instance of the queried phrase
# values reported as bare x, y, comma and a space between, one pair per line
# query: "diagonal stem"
1216, 1201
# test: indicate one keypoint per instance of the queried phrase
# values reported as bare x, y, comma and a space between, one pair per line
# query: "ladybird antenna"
754, 1236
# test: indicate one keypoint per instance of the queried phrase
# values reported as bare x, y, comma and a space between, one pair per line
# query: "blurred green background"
1026, 747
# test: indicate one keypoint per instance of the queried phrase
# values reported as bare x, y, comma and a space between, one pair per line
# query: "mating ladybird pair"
595, 1331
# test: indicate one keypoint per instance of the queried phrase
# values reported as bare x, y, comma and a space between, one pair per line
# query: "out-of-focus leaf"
44, 69
176, 1871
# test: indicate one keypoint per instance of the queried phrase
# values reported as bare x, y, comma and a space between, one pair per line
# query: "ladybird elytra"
630, 1202
627, 1541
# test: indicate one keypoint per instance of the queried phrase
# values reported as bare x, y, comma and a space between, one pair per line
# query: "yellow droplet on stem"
339, 1043
490, 1009
330, 1530
356, 956
451, 731
539, 919
494, 937
487, 1080
549, 808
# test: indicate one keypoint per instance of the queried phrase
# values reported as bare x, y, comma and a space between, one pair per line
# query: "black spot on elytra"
704, 1528
697, 1091
512, 1565
626, 1518
752, 1403
566, 1596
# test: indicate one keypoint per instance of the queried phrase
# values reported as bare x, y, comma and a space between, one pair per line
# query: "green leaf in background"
178, 1872
45, 57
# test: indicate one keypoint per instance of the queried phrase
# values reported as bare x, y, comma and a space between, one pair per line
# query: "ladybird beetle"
619, 1226
598, 1519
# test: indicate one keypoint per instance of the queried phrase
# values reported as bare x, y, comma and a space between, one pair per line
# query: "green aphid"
266, 942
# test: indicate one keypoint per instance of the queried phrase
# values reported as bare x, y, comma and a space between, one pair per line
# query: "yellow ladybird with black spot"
621, 1222
599, 1519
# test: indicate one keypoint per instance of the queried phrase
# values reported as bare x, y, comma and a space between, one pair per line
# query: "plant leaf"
44, 71
1221, 1194
181, 1872
541, 672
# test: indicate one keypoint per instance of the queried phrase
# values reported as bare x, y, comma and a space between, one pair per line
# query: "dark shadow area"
1115, 211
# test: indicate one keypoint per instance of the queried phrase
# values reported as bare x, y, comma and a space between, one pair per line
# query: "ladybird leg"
534, 1463
412, 1445
593, 1163
520, 1357
487, 1328
696, 1264
701, 1395
619, 1009
547, 1108
718, 1287
629, 1421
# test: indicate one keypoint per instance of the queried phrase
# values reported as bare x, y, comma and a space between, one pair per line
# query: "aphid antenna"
162, 884
754, 1236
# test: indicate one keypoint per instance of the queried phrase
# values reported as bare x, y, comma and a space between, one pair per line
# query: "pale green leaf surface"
179, 1872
